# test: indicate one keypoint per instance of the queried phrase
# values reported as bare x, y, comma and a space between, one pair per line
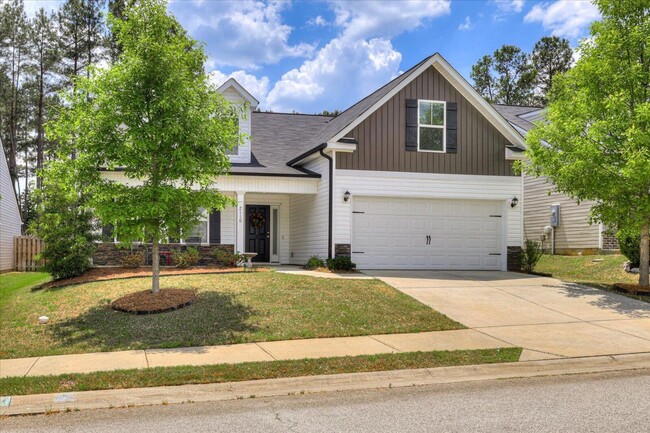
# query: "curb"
49, 403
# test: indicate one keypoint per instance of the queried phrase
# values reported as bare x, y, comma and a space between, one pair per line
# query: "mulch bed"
111, 273
634, 289
146, 302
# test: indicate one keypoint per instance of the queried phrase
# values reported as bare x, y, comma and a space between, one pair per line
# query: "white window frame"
443, 126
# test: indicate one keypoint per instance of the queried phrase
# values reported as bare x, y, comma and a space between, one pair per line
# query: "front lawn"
168, 376
12, 281
601, 272
231, 308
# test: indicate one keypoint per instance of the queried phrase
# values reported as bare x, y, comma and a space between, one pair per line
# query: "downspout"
330, 206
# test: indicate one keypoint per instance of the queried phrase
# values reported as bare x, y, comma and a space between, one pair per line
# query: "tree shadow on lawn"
215, 318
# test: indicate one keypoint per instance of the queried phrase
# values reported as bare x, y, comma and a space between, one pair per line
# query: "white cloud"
258, 87
244, 34
342, 71
385, 19
466, 25
319, 21
510, 6
564, 18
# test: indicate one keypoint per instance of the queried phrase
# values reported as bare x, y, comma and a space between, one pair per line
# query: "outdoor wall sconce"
514, 202
346, 196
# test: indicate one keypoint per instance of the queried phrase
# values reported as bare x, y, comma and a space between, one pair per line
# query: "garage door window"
431, 126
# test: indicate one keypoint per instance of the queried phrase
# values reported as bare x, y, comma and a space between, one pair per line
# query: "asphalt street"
611, 402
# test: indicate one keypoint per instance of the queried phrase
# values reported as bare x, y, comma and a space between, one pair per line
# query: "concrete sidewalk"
464, 339
47, 403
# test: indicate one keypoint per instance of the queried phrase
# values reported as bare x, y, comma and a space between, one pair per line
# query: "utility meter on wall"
555, 215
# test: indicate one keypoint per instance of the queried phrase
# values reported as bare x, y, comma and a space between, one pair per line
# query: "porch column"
241, 223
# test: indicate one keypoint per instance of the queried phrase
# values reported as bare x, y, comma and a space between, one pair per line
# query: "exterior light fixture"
514, 202
346, 196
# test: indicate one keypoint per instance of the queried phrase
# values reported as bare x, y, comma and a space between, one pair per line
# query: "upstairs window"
431, 126
234, 150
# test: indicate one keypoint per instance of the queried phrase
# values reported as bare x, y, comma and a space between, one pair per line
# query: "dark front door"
258, 231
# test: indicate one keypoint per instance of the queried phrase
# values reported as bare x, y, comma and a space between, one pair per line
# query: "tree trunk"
644, 278
155, 263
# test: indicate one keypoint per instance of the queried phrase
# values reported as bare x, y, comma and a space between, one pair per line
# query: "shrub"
629, 241
228, 259
315, 262
186, 259
341, 263
133, 259
530, 255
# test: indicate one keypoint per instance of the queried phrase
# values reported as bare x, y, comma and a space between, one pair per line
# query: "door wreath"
257, 220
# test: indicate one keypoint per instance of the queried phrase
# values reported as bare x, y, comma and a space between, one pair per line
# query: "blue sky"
313, 55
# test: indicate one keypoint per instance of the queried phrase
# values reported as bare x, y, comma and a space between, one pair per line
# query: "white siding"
228, 225
262, 184
10, 221
574, 232
309, 218
424, 185
244, 155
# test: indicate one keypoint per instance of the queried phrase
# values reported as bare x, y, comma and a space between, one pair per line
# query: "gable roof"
274, 138
516, 115
346, 121
232, 83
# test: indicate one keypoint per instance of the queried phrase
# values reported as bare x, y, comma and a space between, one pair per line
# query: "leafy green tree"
551, 56
155, 115
65, 221
595, 143
506, 77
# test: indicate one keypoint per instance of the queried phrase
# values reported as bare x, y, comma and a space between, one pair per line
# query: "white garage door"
393, 233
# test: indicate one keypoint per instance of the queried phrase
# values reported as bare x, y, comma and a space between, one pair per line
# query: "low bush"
530, 255
341, 263
629, 241
134, 259
315, 262
228, 259
186, 259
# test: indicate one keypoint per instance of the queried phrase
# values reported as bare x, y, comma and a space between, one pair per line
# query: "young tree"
155, 115
595, 143
551, 56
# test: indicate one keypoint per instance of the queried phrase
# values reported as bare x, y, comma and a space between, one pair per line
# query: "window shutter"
215, 227
412, 125
452, 127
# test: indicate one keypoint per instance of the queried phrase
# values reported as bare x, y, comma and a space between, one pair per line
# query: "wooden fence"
26, 249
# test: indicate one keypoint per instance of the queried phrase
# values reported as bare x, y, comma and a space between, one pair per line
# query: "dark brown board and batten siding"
382, 136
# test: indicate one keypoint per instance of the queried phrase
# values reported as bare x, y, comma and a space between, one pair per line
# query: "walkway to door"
547, 317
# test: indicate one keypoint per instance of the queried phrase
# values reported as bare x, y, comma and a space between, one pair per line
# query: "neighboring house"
10, 220
574, 234
418, 175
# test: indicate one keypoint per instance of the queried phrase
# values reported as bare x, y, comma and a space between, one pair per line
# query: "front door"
258, 231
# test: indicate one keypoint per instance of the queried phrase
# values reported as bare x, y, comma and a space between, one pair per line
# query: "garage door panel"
392, 233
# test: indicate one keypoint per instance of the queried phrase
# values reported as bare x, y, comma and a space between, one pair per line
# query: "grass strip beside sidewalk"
170, 376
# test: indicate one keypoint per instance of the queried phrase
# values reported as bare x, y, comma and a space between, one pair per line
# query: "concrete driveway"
545, 316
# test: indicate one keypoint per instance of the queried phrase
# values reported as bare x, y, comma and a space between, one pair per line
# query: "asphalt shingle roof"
512, 112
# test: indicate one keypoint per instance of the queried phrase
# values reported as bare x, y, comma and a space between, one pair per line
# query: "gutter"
299, 158
330, 204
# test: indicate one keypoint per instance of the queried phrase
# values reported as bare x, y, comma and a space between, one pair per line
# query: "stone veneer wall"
513, 263
609, 241
342, 250
108, 254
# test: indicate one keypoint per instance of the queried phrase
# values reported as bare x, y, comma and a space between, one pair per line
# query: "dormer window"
431, 126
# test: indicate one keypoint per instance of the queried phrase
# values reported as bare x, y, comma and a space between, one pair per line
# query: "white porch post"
241, 223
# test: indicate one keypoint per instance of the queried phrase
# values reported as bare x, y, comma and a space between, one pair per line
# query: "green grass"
168, 376
231, 308
601, 272
15, 281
